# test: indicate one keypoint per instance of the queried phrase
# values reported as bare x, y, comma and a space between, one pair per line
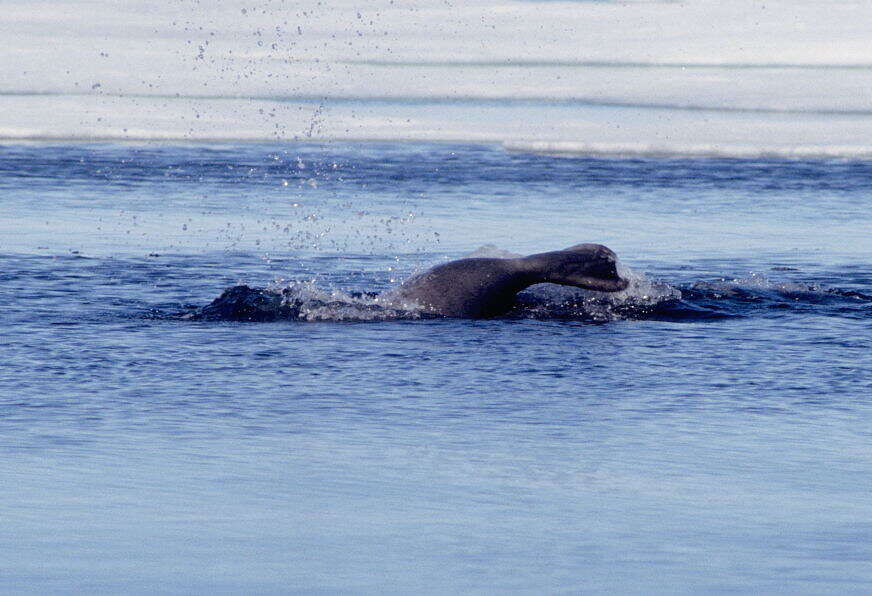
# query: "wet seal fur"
484, 288
242, 303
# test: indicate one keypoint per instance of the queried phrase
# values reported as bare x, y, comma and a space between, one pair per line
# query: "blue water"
716, 440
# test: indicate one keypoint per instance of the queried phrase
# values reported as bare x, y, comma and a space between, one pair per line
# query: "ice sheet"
784, 78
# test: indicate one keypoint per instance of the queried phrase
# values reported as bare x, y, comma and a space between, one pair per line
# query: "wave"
644, 299
302, 301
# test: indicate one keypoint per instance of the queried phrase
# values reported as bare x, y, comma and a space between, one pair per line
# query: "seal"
484, 288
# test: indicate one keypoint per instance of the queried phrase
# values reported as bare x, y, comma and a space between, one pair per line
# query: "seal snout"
592, 266
607, 271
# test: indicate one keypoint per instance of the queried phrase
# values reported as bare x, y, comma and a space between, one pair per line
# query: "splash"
548, 301
641, 297
644, 299
308, 301
303, 301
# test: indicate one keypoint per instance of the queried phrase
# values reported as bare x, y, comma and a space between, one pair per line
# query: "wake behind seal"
471, 288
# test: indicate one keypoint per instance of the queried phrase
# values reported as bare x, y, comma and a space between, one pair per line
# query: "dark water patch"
703, 301
404, 168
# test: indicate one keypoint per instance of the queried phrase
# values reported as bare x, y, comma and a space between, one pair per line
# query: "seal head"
588, 266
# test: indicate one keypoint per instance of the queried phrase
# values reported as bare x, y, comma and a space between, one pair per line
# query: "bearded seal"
484, 288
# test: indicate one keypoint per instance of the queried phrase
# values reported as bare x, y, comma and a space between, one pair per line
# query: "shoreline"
557, 149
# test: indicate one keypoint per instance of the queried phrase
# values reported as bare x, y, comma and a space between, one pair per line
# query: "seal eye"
604, 269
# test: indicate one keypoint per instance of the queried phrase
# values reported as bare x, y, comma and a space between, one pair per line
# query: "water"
708, 430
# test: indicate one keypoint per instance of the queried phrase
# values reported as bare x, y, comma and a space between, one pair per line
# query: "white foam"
317, 303
641, 292
756, 281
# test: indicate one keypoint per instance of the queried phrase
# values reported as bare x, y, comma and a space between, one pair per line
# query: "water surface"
711, 437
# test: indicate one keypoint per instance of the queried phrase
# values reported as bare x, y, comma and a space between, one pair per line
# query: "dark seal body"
470, 288
482, 288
